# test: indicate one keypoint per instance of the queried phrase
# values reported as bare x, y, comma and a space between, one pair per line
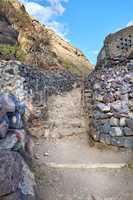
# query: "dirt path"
67, 168
63, 171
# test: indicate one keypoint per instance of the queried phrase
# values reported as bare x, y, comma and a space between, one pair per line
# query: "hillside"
25, 38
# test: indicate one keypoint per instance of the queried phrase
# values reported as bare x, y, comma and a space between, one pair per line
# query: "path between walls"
67, 168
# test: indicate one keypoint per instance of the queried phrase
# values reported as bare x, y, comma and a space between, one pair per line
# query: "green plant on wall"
12, 51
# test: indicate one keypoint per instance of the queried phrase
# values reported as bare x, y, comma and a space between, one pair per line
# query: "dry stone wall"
109, 100
32, 85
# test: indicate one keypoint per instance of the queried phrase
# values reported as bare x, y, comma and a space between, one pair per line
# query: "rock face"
109, 92
15, 176
41, 46
7, 34
10, 172
118, 47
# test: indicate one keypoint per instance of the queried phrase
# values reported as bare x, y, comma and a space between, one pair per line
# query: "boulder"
103, 107
27, 185
10, 172
129, 123
9, 142
123, 121
17, 182
127, 131
116, 131
114, 121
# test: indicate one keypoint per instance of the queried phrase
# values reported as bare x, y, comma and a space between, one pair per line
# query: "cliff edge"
31, 42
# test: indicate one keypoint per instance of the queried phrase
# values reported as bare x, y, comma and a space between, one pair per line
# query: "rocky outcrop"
9, 178
8, 35
109, 92
41, 46
118, 48
16, 180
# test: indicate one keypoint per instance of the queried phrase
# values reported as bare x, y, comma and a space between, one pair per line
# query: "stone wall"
109, 104
33, 86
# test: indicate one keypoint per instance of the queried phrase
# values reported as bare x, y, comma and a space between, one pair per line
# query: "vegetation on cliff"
42, 46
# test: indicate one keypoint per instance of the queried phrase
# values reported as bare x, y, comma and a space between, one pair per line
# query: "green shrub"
12, 51
20, 54
7, 50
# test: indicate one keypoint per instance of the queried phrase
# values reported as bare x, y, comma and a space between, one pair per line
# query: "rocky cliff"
118, 47
33, 43
109, 91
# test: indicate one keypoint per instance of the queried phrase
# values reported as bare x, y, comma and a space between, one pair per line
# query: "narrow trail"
67, 168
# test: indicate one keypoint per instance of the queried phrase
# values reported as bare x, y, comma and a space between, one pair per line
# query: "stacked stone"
110, 105
33, 85
53, 82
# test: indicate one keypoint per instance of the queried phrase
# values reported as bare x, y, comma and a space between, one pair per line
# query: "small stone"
118, 141
105, 129
9, 142
37, 157
125, 89
97, 86
103, 107
45, 154
99, 97
108, 98
96, 136
123, 121
120, 106
105, 138
130, 114
116, 105
129, 142
99, 115
129, 123
127, 131
124, 97
130, 105
116, 131
114, 121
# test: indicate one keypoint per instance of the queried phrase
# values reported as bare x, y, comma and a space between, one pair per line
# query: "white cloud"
47, 14
130, 23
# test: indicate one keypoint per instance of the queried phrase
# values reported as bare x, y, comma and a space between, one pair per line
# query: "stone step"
76, 150
80, 184
71, 170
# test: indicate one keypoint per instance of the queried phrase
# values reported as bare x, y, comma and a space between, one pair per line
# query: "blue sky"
84, 23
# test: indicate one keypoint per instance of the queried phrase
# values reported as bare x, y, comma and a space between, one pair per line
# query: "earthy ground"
67, 168
71, 170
